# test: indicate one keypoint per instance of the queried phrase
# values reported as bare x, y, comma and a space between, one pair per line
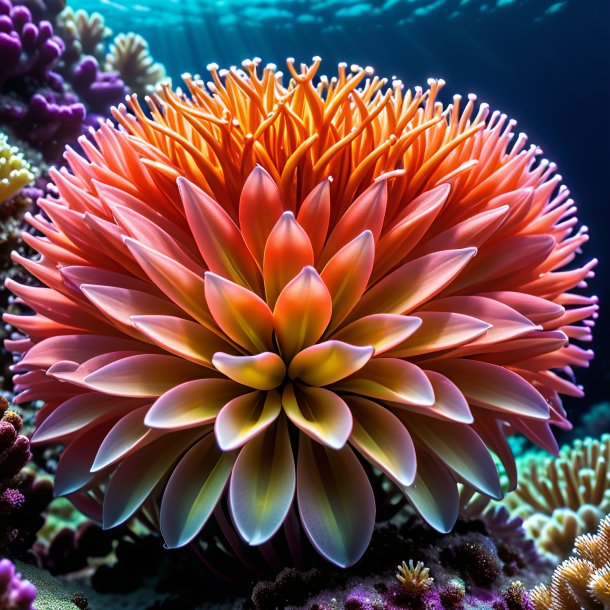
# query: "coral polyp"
257, 292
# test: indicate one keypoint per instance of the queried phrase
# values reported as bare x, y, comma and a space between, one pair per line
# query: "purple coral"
15, 592
98, 89
14, 454
39, 105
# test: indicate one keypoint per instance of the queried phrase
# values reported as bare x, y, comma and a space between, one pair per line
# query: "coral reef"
448, 584
34, 102
130, 56
48, 97
463, 571
15, 592
269, 246
564, 497
583, 581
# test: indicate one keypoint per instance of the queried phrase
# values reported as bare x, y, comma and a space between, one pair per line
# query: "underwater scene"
304, 305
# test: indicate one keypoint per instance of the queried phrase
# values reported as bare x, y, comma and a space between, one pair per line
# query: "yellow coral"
414, 577
582, 581
130, 57
14, 170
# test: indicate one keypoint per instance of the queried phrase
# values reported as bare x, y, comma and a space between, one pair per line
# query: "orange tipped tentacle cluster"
258, 285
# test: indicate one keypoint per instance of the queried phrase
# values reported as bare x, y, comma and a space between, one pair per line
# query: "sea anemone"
267, 289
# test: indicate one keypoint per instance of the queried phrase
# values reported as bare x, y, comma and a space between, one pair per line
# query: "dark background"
548, 69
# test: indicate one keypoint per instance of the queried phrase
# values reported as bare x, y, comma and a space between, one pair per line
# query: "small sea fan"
265, 289
414, 577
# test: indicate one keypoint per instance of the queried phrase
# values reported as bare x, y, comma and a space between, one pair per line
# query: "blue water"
544, 62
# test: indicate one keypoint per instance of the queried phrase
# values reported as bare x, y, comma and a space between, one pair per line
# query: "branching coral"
258, 283
130, 56
565, 497
83, 33
581, 582
14, 170
15, 593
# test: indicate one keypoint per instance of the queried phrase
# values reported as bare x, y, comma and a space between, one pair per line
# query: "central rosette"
291, 355
287, 328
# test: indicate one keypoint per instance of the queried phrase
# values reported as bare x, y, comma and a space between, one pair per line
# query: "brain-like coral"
257, 293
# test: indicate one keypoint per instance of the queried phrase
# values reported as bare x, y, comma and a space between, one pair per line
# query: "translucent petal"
143, 375
384, 331
240, 313
314, 215
126, 435
262, 484
413, 283
319, 413
264, 371
218, 238
74, 466
461, 450
287, 251
183, 287
347, 273
405, 232
328, 362
440, 330
335, 501
383, 439
80, 411
260, 206
181, 337
302, 312
244, 417
366, 213
493, 387
138, 475
192, 403
76, 348
193, 491
434, 494
390, 379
